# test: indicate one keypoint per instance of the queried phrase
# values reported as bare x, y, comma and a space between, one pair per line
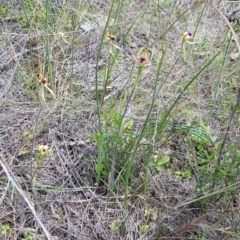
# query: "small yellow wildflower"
143, 57
43, 81
62, 35
109, 37
43, 148
186, 36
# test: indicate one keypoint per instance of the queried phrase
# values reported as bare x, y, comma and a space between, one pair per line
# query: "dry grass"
63, 188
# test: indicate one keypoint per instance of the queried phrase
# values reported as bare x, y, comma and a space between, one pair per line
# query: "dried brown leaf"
191, 225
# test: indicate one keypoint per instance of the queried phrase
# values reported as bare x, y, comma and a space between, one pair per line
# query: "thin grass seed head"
143, 57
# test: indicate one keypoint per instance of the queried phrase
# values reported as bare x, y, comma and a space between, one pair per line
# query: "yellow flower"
43, 82
186, 36
143, 57
62, 35
109, 37
42, 79
43, 149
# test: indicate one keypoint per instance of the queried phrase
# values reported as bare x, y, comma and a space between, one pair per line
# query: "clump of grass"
125, 156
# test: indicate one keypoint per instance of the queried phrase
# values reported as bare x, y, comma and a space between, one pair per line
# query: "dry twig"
26, 199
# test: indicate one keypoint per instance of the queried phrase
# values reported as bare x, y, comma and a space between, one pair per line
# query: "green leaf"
186, 173
4, 228
114, 225
165, 159
158, 162
144, 228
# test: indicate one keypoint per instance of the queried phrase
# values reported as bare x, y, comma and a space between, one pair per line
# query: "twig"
33, 143
228, 128
23, 194
227, 22
232, 14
